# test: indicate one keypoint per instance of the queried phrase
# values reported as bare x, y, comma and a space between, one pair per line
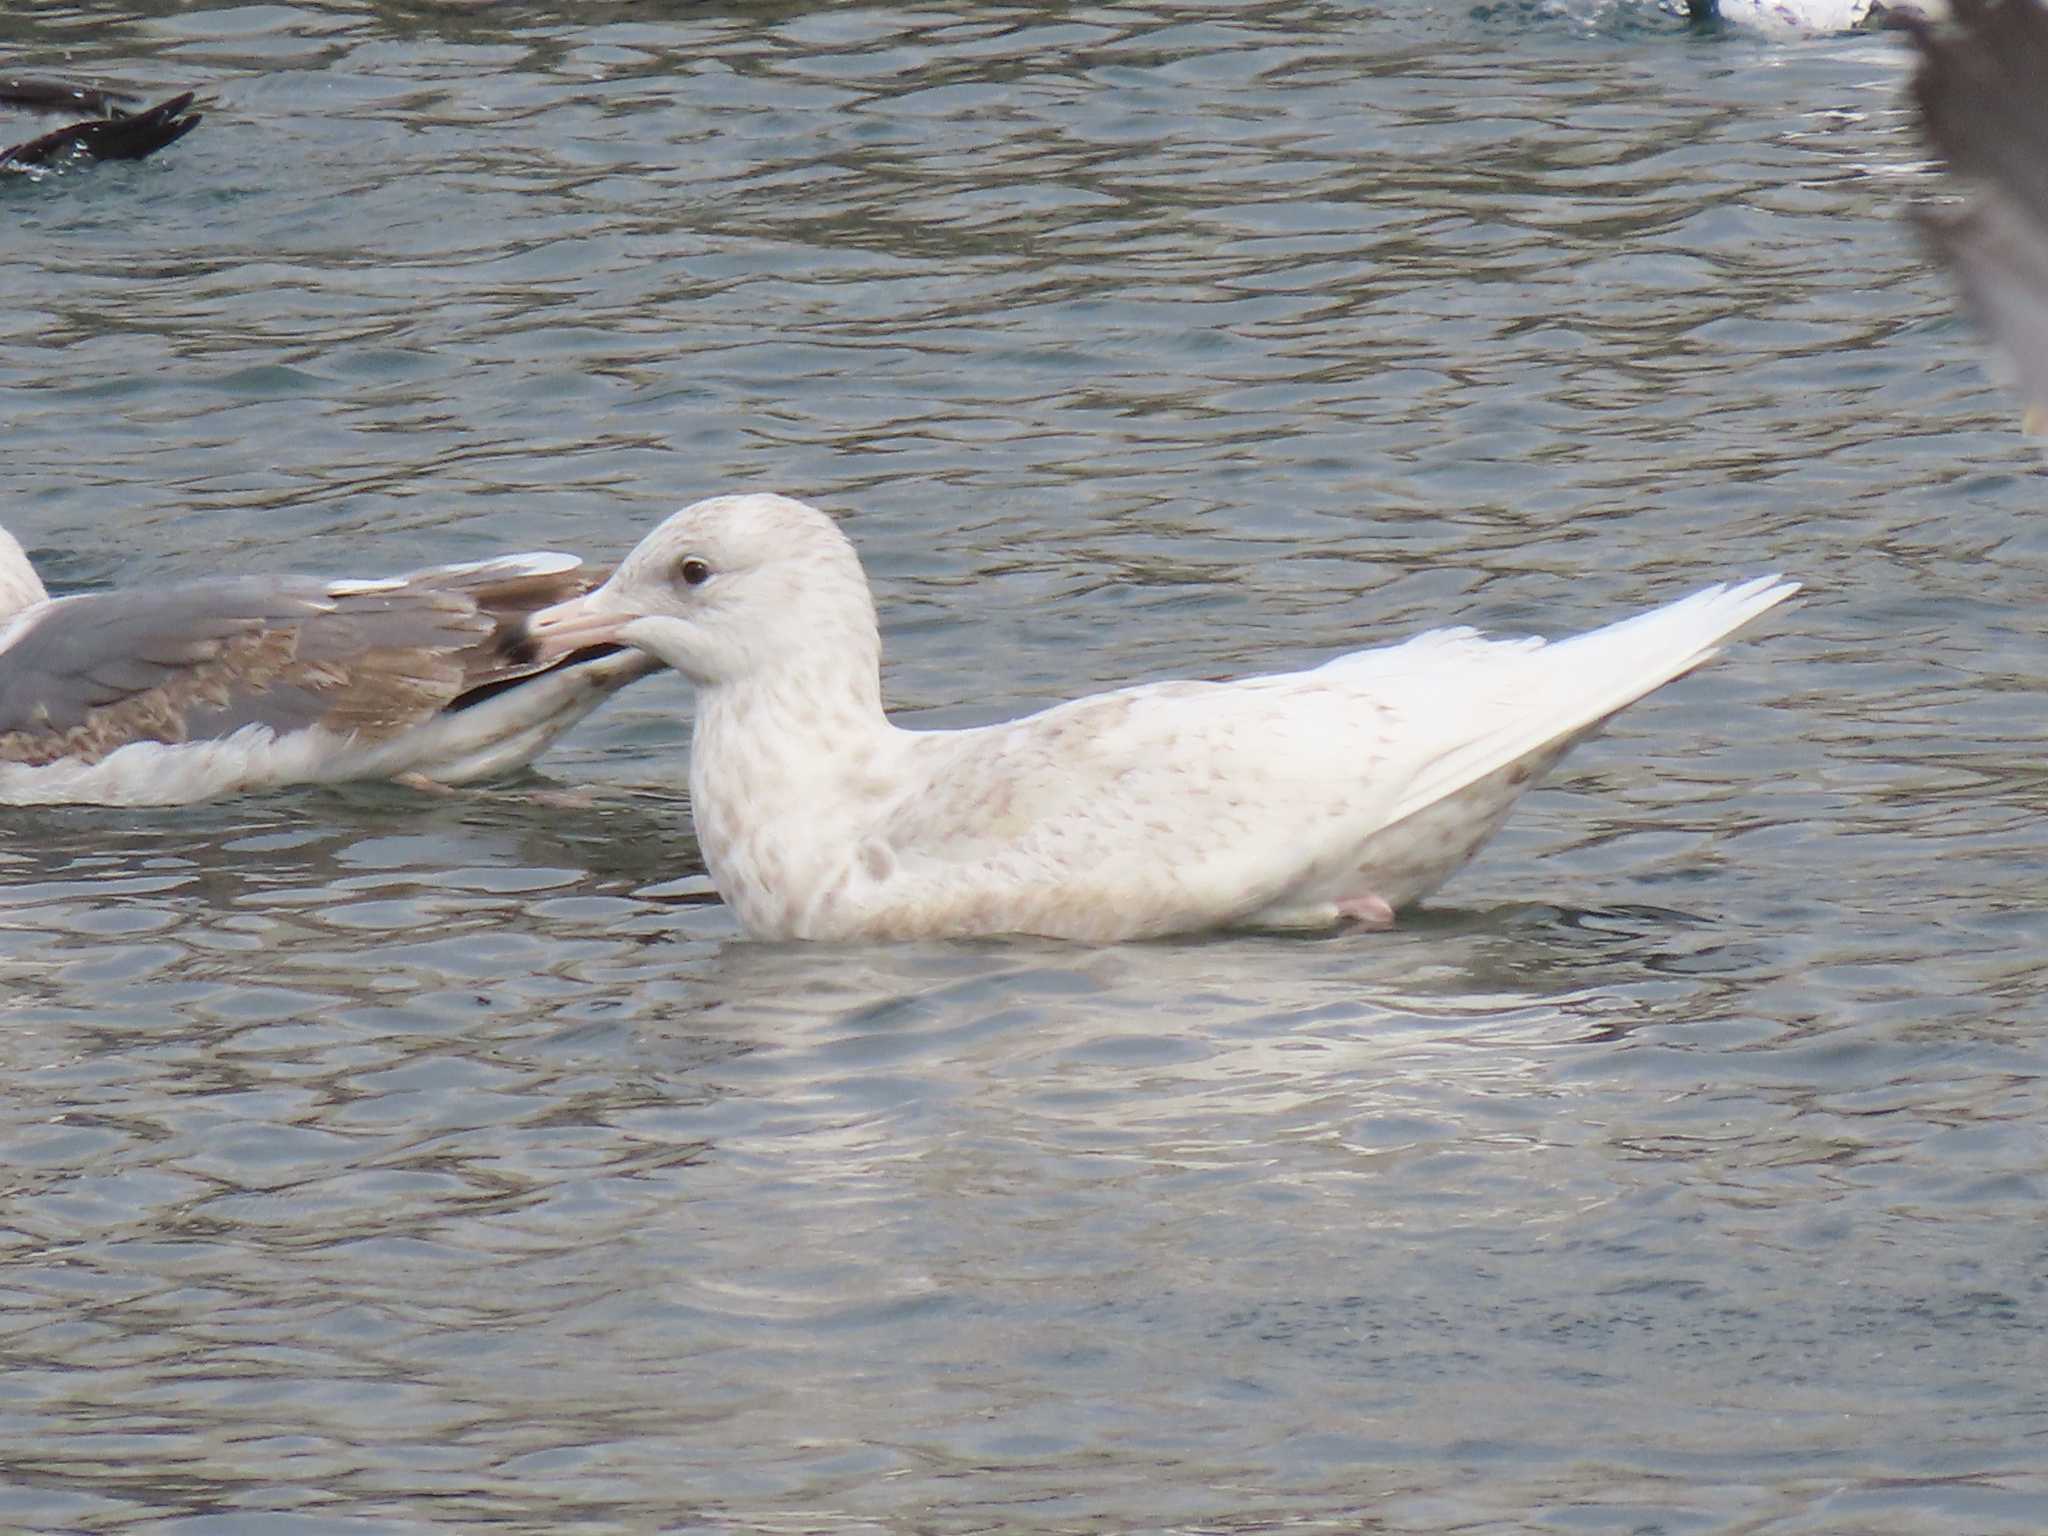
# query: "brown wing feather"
196, 663
508, 599
384, 692
256, 661
200, 662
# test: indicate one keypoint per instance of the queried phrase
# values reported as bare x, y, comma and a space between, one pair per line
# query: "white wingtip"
1565, 689
539, 562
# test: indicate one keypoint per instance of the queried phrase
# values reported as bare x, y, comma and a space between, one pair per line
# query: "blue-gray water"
384, 1163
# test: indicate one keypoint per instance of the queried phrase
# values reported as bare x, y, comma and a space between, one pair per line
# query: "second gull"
181, 691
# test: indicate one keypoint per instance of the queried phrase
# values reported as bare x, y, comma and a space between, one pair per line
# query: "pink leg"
1368, 911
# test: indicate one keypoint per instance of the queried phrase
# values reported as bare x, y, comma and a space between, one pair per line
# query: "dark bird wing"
119, 136
62, 96
508, 591
83, 676
1982, 91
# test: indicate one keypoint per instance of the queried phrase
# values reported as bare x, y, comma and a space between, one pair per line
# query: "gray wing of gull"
82, 676
1982, 91
507, 591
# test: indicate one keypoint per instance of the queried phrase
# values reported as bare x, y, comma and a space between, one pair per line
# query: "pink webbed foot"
1368, 911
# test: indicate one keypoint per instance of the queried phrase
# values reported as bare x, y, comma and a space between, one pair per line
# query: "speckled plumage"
1164, 808
168, 694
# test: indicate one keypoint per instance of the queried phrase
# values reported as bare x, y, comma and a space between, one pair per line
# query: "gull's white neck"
789, 773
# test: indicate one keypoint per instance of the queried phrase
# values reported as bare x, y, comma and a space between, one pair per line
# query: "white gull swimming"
165, 694
1301, 799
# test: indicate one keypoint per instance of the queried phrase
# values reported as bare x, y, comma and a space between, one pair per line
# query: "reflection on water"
376, 1161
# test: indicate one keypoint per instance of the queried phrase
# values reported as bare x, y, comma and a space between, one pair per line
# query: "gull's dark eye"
692, 572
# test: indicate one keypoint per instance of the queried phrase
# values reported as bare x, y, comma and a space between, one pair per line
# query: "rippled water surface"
377, 1162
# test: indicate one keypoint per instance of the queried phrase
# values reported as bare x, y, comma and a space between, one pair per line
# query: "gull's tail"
1521, 700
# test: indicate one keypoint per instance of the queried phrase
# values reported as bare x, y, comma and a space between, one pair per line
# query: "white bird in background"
168, 694
1297, 800
1982, 91
1808, 18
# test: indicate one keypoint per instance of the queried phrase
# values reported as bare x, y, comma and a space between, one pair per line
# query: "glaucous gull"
1296, 800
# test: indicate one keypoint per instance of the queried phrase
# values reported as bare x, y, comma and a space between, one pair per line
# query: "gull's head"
727, 589
20, 587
